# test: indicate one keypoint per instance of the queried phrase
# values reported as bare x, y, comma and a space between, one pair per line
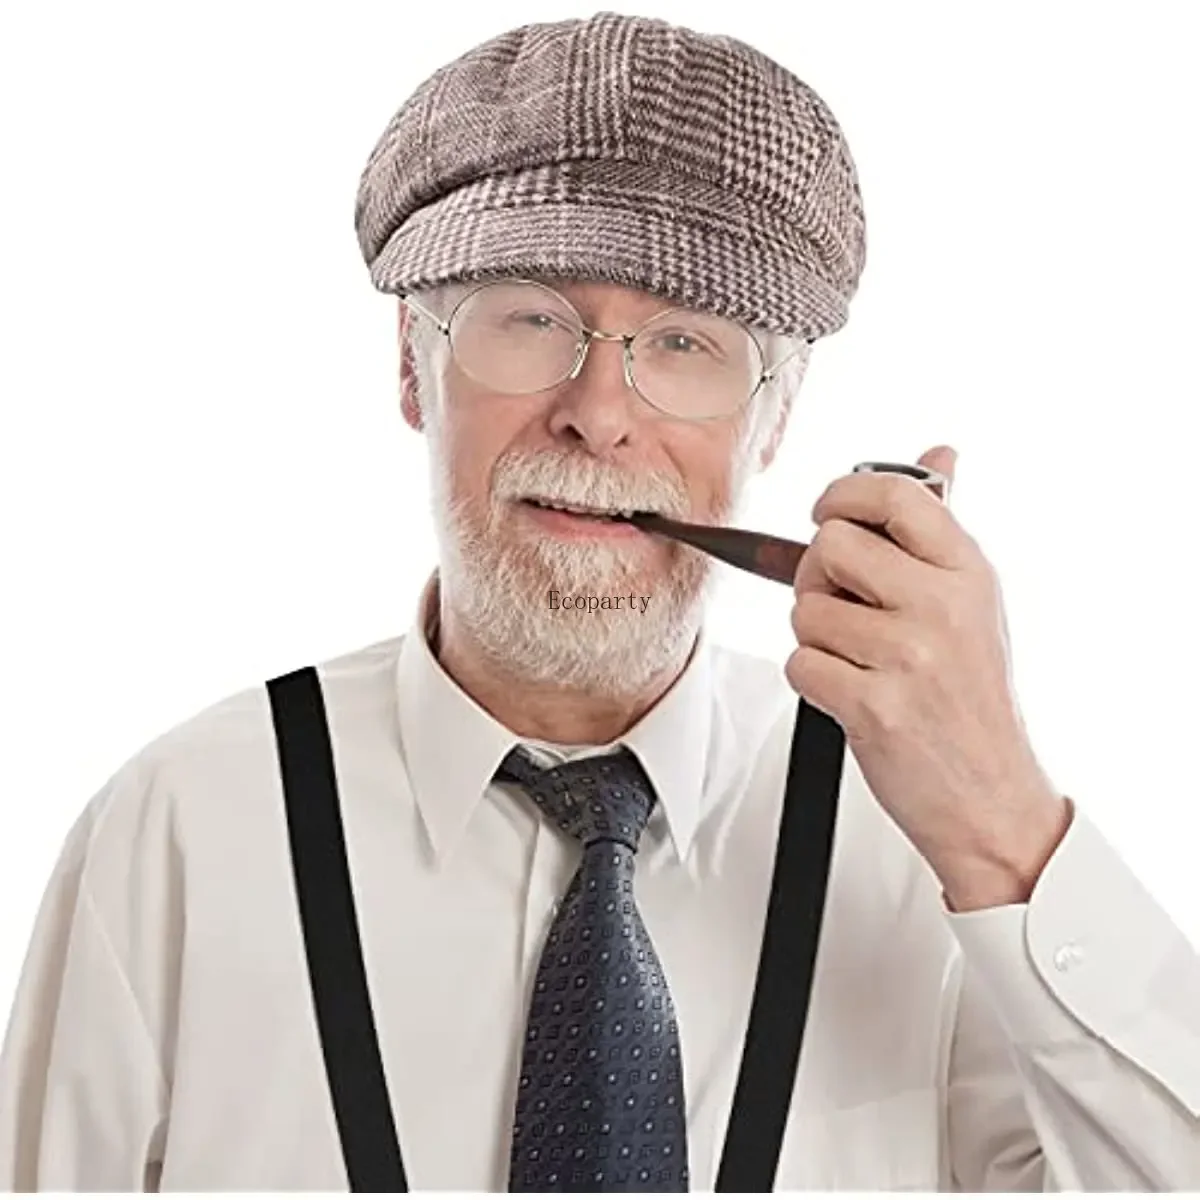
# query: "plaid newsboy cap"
627, 150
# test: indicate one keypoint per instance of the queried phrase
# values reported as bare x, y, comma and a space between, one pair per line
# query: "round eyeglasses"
519, 337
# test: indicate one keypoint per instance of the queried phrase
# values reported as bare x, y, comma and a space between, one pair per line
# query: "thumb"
942, 459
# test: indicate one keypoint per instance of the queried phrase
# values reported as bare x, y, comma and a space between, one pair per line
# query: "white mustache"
585, 483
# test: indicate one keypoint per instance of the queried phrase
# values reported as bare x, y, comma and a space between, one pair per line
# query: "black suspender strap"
779, 1009
325, 896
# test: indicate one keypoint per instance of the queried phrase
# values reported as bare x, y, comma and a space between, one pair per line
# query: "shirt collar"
452, 746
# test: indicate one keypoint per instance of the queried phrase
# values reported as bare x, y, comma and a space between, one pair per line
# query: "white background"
199, 398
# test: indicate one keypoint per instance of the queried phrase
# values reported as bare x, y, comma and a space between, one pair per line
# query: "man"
528, 899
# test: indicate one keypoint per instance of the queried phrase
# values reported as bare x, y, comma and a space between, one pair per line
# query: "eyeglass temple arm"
768, 374
405, 298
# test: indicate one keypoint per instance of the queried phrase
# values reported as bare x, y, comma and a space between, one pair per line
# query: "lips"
576, 510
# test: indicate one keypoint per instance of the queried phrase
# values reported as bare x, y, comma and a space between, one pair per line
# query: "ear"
410, 400
767, 455
768, 452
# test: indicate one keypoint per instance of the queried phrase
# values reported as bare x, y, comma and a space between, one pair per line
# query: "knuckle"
808, 572
806, 612
797, 669
831, 546
955, 606
886, 709
835, 534
915, 654
899, 489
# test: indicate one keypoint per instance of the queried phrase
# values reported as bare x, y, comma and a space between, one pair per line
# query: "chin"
612, 654
498, 574
503, 595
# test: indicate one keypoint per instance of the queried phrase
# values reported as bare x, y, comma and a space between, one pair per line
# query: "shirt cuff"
1092, 948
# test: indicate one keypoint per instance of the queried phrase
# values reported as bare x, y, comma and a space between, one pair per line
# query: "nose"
598, 407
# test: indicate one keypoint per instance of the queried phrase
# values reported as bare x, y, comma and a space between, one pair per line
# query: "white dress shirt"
163, 1034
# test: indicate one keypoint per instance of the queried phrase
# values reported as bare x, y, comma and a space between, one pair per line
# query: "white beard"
497, 579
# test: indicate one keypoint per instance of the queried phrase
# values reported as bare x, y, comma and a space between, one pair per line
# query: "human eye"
533, 320
684, 343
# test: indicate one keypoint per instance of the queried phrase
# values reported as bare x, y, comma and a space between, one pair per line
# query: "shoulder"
204, 775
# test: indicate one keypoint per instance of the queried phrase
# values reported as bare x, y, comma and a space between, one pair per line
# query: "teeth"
579, 511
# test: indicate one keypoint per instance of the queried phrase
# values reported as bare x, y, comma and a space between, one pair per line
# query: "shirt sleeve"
82, 1096
1075, 1060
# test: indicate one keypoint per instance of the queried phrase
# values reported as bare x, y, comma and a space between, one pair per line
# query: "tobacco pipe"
759, 553
764, 554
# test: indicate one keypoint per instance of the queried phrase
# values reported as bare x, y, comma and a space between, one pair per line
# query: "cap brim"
723, 262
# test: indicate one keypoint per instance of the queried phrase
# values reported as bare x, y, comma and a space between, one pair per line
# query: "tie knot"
607, 797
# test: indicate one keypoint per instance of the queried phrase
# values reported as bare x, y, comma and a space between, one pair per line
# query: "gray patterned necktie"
600, 1104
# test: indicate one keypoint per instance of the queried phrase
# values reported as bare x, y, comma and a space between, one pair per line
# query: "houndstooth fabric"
623, 149
600, 1099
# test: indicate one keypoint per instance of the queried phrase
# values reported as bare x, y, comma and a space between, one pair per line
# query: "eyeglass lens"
518, 338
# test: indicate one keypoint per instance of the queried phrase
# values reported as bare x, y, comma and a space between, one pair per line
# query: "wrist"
1005, 869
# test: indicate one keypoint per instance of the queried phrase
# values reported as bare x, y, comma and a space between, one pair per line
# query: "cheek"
710, 467
468, 448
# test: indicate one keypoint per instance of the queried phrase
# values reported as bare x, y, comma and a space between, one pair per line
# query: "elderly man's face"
591, 442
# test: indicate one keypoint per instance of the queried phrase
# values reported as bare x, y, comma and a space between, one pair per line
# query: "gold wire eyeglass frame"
587, 335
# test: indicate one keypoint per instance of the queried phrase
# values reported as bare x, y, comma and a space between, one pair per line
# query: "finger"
811, 575
944, 460
826, 682
903, 510
856, 633
845, 560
